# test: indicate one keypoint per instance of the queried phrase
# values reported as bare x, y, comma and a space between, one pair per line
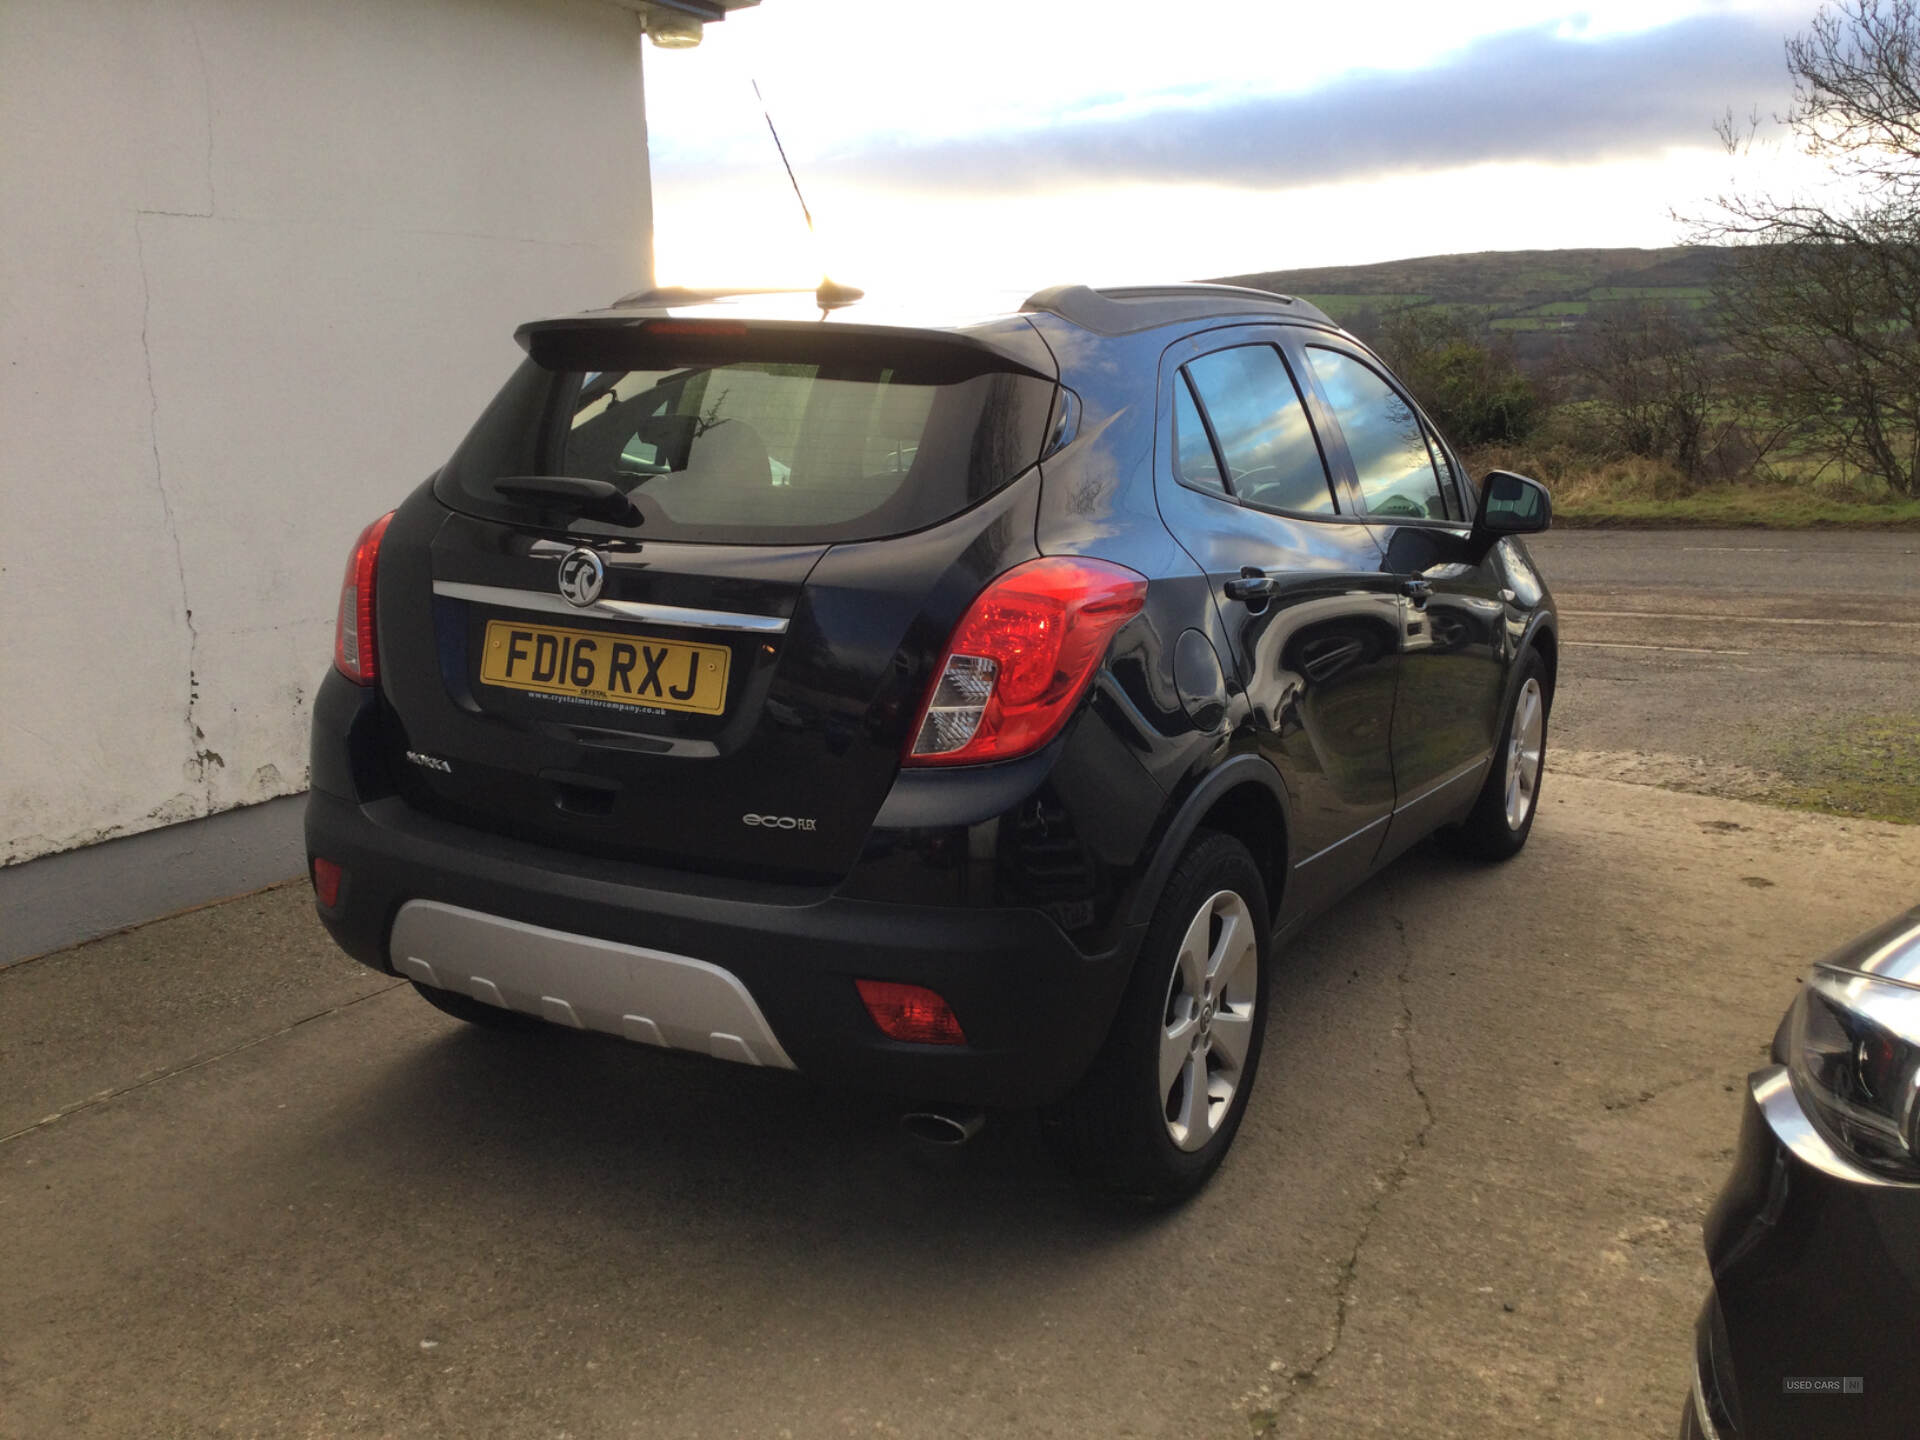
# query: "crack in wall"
202, 761
199, 766
1385, 1187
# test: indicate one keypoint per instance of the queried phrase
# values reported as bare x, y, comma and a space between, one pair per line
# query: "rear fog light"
911, 1012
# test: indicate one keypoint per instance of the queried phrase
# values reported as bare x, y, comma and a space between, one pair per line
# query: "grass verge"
1866, 766
1782, 507
1649, 494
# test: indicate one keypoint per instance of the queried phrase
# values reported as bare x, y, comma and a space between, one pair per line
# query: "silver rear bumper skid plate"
648, 996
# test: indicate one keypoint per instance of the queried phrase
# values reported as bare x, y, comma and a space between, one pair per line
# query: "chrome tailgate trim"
506, 598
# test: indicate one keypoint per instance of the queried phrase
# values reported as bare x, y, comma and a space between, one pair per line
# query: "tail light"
1021, 659
353, 648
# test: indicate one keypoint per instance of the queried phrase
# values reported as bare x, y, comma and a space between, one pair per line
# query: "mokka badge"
582, 573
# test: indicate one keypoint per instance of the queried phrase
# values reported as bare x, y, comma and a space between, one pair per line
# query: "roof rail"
1122, 310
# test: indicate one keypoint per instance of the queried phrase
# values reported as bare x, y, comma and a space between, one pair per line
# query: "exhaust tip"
947, 1128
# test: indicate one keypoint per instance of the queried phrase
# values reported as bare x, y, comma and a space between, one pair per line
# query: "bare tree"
1821, 300
1659, 386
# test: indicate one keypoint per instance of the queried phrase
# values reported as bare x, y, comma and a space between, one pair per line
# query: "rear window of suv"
759, 451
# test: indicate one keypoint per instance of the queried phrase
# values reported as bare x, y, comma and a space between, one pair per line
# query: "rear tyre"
1158, 1111
475, 1012
1502, 816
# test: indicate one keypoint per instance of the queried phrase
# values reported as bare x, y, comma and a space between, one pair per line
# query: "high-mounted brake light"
695, 328
1021, 658
353, 648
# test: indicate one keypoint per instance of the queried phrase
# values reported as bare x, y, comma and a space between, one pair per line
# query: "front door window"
1384, 437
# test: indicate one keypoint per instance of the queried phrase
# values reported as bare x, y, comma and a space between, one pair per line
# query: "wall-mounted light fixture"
672, 32
678, 24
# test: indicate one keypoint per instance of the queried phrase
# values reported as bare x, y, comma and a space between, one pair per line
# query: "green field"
1514, 291
1338, 304
1650, 292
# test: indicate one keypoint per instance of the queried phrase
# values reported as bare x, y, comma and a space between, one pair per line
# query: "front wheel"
1502, 818
1155, 1116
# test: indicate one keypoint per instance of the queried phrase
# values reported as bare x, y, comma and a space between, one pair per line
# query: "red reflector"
911, 1012
695, 327
326, 882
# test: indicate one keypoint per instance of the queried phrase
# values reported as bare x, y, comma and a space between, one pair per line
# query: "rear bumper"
1034, 1007
1816, 1275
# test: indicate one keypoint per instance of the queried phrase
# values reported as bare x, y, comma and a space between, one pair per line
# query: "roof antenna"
830, 295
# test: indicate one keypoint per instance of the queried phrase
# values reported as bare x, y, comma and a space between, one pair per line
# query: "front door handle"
1252, 586
1418, 591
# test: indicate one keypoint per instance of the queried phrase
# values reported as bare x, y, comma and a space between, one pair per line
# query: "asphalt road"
250, 1188
1743, 663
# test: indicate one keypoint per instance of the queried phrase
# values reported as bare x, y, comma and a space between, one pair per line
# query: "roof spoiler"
829, 294
633, 339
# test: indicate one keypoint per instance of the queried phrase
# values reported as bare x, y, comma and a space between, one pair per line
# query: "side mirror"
1512, 505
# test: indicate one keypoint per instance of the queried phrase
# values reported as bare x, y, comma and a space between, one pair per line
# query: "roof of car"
1122, 310
1127, 309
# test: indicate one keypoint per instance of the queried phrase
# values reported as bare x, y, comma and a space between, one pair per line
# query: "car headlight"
1855, 1063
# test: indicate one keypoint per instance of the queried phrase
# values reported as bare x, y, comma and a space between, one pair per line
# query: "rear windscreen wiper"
599, 499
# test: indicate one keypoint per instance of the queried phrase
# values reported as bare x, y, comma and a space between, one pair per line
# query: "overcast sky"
1018, 145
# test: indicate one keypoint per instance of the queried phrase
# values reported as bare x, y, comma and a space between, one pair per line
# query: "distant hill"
1533, 293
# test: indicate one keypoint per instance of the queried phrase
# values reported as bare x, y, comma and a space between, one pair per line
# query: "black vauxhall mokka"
965, 711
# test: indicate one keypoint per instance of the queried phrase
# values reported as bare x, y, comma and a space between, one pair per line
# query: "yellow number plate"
611, 669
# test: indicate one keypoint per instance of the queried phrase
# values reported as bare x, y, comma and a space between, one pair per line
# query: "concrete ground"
250, 1188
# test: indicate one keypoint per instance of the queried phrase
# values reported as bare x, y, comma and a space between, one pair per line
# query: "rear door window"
1266, 439
1384, 437
1193, 459
758, 451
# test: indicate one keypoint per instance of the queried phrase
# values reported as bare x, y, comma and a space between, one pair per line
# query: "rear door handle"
1252, 586
1418, 591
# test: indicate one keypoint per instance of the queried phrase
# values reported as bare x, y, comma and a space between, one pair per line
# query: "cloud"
1526, 95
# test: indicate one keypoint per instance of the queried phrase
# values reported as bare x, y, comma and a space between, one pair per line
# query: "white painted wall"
260, 263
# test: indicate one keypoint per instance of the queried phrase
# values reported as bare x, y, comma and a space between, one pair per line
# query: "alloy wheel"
1207, 1023
1525, 743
